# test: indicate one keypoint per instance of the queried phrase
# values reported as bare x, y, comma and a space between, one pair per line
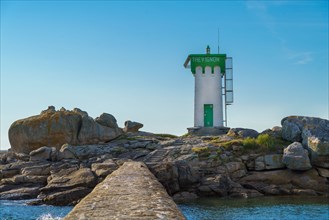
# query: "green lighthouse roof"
204, 60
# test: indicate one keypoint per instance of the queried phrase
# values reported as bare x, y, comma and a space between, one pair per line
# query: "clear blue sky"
126, 58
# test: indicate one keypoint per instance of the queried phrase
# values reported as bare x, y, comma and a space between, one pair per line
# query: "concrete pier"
131, 192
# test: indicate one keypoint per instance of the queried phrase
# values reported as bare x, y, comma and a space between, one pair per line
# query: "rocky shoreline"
58, 157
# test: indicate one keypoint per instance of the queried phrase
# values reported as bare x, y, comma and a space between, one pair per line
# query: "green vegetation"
264, 143
229, 144
250, 143
218, 142
202, 151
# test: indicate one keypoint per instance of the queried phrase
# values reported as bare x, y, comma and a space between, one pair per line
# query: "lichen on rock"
54, 128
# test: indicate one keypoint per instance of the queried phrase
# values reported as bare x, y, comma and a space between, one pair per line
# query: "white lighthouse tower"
213, 91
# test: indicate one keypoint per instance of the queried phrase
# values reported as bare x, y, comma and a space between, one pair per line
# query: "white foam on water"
48, 216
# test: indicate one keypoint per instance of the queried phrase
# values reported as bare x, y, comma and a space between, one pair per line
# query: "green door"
208, 115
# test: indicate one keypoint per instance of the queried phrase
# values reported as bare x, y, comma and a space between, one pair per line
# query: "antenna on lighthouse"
218, 39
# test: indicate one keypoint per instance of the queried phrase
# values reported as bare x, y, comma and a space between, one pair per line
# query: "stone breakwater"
130, 192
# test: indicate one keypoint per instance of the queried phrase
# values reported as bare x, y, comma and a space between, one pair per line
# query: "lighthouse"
213, 91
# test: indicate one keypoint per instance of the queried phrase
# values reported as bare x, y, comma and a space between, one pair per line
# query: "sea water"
19, 210
267, 208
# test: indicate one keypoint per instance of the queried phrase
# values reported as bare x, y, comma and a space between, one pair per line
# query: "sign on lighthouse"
213, 91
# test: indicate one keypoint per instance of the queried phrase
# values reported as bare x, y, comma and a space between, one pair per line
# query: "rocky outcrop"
43, 153
242, 132
275, 132
215, 184
291, 131
70, 183
50, 128
54, 128
70, 196
93, 132
323, 172
107, 120
105, 168
65, 176
286, 182
295, 157
187, 167
23, 180
236, 170
313, 133
269, 162
22, 192
184, 196
132, 126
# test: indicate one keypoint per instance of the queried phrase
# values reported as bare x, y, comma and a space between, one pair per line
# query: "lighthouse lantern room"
213, 89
